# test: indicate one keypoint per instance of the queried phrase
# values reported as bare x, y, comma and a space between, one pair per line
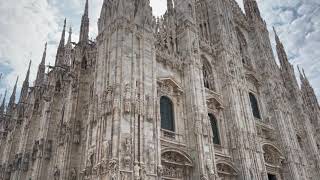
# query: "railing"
172, 136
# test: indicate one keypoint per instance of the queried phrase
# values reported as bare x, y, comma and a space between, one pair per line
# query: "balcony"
172, 137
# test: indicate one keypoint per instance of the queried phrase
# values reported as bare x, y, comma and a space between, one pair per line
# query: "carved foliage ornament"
271, 155
174, 165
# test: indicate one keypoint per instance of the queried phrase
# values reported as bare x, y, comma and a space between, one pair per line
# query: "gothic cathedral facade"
193, 95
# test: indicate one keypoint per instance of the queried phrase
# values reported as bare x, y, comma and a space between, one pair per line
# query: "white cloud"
24, 28
159, 7
26, 25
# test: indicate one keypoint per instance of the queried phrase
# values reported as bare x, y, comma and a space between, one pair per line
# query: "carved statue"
160, 170
35, 150
123, 176
77, 132
62, 134
109, 95
127, 99
137, 172
113, 167
73, 174
25, 163
48, 150
56, 173
149, 108
143, 173
41, 145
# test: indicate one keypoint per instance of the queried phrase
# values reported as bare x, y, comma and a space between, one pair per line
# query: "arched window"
215, 129
208, 79
254, 106
167, 114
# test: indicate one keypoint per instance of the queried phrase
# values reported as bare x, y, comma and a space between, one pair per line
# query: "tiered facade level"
193, 95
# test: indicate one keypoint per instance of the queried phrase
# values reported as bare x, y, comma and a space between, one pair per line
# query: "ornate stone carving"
113, 169
48, 150
77, 133
127, 152
62, 134
41, 148
136, 171
149, 111
109, 100
272, 156
35, 150
25, 163
127, 99
173, 171
160, 170
73, 174
56, 173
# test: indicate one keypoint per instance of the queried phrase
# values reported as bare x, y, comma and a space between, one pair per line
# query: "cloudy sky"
25, 26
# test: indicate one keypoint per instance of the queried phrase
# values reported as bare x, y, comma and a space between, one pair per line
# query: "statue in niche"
109, 148
41, 145
127, 99
137, 171
232, 68
143, 173
150, 157
73, 174
90, 160
109, 95
127, 146
113, 167
160, 170
35, 150
56, 173
19, 162
62, 134
48, 150
149, 108
124, 176
76, 136
25, 163
127, 152
209, 167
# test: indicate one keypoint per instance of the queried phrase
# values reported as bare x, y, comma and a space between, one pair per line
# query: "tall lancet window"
208, 78
167, 114
215, 129
254, 106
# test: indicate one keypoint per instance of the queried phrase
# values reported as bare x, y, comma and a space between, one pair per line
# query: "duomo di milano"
194, 95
